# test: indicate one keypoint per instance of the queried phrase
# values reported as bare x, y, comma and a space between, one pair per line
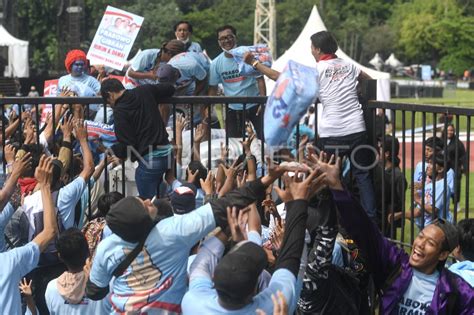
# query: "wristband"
254, 64
67, 145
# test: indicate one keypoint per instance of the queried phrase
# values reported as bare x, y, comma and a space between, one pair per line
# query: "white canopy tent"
18, 66
393, 62
377, 62
300, 52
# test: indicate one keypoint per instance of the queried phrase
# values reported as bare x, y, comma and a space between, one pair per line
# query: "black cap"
450, 232
129, 219
183, 198
236, 275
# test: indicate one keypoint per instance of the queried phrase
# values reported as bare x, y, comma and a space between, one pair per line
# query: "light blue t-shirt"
464, 269
85, 202
202, 297
226, 71
145, 61
192, 66
418, 296
15, 264
57, 305
87, 80
68, 197
438, 204
156, 279
5, 217
195, 47
418, 175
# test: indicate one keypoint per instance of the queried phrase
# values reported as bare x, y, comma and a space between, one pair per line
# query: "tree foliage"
440, 32
435, 32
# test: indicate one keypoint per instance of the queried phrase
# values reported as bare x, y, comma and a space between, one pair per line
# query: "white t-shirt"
342, 113
418, 296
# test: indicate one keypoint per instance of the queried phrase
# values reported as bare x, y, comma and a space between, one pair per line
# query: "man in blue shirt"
225, 71
155, 280
231, 290
19, 261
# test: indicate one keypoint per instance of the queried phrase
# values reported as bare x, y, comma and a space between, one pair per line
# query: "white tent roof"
377, 61
393, 62
300, 52
17, 55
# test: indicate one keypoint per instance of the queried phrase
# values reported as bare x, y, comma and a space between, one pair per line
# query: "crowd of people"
300, 233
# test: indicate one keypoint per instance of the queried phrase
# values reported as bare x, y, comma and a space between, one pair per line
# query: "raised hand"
285, 194
208, 185
67, 127
199, 134
9, 153
192, 176
25, 287
236, 222
81, 129
224, 152
21, 165
44, 171
180, 123
249, 58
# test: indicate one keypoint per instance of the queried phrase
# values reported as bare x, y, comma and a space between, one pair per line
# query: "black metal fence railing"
415, 127
410, 124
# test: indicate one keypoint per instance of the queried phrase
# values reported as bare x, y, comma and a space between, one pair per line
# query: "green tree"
37, 20
435, 31
238, 13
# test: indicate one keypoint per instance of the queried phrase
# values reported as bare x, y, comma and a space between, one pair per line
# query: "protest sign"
114, 38
50, 90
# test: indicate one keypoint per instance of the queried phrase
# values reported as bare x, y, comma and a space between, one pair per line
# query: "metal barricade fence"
405, 119
412, 125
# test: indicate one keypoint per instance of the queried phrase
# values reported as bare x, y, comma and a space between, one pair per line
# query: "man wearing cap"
417, 283
155, 281
144, 66
188, 71
183, 198
76, 65
140, 130
232, 287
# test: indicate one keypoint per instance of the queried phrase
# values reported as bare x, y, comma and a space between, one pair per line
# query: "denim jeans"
360, 161
149, 174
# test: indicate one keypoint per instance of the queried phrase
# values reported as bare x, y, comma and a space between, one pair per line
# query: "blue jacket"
383, 257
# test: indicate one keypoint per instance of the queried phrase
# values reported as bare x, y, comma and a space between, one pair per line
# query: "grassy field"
452, 98
460, 215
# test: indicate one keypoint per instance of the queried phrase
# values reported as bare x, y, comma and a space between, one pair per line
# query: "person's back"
137, 118
66, 294
156, 279
342, 113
